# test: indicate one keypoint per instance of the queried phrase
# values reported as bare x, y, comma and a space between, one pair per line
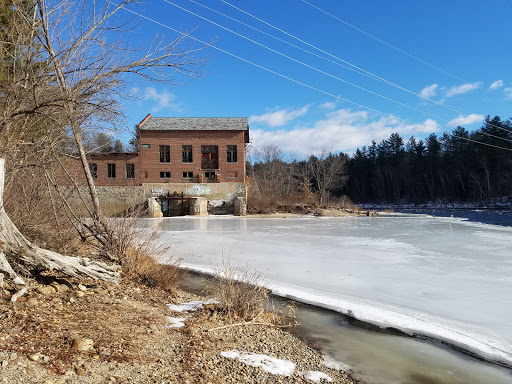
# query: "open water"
481, 215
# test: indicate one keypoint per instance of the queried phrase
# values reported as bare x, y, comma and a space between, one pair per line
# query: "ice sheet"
441, 277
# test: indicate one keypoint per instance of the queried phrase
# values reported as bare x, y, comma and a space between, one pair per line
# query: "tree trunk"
31, 257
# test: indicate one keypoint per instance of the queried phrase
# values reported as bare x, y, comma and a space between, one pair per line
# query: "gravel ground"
90, 332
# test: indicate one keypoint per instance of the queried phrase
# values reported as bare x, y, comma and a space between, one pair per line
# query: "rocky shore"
67, 331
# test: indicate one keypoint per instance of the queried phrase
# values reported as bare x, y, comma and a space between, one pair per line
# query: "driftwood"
31, 257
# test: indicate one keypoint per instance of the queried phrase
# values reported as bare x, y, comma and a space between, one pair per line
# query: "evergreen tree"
118, 146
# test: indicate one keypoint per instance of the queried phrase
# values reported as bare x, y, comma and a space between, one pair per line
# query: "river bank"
95, 332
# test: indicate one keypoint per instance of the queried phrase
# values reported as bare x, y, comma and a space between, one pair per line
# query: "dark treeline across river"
459, 166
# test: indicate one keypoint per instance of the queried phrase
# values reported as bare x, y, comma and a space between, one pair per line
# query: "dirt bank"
66, 332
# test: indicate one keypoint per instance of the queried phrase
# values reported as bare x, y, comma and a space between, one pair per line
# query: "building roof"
151, 123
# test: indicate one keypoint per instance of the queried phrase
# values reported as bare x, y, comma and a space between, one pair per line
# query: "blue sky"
456, 53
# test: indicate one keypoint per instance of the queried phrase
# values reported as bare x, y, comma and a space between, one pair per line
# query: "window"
93, 167
111, 171
209, 157
187, 175
130, 171
209, 175
146, 146
186, 154
165, 175
232, 154
165, 154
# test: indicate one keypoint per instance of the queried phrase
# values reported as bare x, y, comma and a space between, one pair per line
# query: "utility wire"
298, 61
283, 41
383, 42
293, 80
319, 70
355, 66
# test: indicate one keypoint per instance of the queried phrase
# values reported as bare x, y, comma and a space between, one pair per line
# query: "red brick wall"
101, 161
120, 160
150, 157
147, 162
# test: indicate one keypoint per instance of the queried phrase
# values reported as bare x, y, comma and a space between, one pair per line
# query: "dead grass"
139, 265
240, 291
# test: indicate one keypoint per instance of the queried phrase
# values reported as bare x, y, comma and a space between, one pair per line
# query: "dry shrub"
262, 204
139, 265
139, 261
240, 291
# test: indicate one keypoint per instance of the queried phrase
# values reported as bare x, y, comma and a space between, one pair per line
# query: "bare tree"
70, 66
90, 69
328, 171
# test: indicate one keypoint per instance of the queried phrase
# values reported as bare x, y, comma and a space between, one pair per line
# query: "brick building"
193, 157
178, 150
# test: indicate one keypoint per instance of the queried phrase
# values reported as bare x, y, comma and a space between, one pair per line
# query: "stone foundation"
213, 198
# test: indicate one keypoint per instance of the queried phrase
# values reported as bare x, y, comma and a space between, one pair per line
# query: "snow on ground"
329, 362
176, 322
267, 363
441, 277
317, 376
189, 307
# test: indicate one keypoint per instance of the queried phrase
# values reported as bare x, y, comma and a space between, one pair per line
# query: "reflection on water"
382, 357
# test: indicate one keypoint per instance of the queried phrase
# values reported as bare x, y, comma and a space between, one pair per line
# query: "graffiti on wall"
157, 191
199, 190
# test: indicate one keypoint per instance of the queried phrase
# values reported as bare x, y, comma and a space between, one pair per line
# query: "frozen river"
440, 277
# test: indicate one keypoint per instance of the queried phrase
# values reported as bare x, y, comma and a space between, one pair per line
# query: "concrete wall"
220, 196
113, 199
116, 199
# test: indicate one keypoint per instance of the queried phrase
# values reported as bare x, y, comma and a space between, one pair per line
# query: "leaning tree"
72, 64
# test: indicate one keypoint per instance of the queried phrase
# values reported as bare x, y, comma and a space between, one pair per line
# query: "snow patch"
317, 376
190, 306
267, 363
329, 362
175, 322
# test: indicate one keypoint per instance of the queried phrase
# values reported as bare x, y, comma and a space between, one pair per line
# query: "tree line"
457, 166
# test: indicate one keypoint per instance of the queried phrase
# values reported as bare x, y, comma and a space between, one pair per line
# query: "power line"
355, 66
298, 61
384, 42
294, 80
318, 70
283, 41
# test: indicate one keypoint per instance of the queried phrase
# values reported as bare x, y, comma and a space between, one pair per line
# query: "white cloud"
429, 91
327, 106
280, 117
164, 100
465, 120
508, 93
496, 84
461, 89
340, 130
